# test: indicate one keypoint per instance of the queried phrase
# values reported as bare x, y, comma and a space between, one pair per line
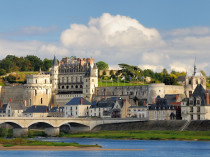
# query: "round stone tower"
154, 90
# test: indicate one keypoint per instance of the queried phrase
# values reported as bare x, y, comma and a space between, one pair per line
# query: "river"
152, 149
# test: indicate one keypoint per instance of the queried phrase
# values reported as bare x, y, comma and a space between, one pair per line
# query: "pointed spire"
194, 67
55, 61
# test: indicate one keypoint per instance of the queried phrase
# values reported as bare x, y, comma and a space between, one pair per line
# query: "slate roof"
77, 101
198, 92
161, 104
181, 78
36, 109
55, 61
170, 98
138, 107
57, 109
3, 108
110, 102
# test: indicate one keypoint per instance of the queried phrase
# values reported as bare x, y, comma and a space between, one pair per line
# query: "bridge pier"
52, 131
18, 132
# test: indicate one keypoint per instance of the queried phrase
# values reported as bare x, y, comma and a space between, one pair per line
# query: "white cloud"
120, 39
110, 32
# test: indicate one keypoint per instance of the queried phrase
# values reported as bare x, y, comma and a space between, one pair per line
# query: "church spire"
194, 67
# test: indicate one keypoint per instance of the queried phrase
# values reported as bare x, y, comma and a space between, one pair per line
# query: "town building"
197, 106
138, 110
36, 111
114, 107
56, 112
161, 110
77, 107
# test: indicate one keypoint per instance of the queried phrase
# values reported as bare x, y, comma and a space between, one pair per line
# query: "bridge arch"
75, 126
13, 124
48, 124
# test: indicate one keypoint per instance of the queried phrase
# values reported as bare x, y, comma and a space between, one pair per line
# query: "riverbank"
144, 135
22, 143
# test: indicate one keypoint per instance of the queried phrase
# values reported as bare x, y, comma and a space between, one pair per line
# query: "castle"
77, 77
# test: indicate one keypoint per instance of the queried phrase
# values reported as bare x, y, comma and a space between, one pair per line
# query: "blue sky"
182, 28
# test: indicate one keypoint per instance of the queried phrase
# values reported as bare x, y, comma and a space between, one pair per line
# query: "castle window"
35, 92
67, 87
62, 87
36, 80
80, 86
198, 109
71, 79
72, 86
67, 79
197, 81
46, 91
45, 81
76, 86
80, 78
198, 102
30, 102
62, 79
190, 82
41, 101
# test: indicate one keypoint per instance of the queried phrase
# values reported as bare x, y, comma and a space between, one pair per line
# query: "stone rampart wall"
13, 92
171, 89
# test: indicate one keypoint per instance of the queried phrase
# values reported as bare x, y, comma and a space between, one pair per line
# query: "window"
198, 109
35, 92
92, 80
45, 81
62, 79
191, 109
36, 80
198, 102
46, 91
41, 101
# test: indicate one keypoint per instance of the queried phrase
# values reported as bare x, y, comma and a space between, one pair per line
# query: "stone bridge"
21, 125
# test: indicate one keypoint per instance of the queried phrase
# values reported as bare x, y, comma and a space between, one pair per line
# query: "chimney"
81, 101
25, 103
207, 97
177, 96
10, 99
155, 100
190, 93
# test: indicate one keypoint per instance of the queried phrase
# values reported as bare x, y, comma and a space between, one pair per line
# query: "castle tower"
54, 75
37, 90
91, 82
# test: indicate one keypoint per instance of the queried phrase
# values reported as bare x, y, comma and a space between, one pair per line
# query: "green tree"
35, 63
2, 72
203, 73
102, 65
47, 64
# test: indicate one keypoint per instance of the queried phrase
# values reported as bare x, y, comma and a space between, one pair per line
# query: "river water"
152, 149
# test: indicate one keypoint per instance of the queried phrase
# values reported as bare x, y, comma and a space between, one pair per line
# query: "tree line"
130, 73
13, 63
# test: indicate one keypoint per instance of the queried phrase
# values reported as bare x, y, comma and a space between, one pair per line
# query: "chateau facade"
73, 78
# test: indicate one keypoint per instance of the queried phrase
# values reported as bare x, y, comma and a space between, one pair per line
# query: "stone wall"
171, 89
13, 92
122, 91
144, 125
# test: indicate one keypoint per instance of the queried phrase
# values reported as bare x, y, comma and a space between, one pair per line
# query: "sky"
152, 34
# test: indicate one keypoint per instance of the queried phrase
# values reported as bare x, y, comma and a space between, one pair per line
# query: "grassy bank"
25, 142
144, 135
